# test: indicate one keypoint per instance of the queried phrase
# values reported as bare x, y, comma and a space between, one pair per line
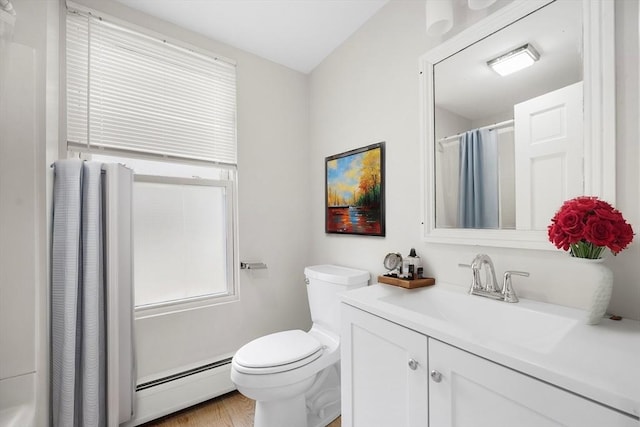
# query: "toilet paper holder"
252, 265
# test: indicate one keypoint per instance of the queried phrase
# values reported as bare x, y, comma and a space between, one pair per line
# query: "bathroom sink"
533, 325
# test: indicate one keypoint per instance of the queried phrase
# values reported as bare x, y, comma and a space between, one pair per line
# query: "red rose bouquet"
586, 226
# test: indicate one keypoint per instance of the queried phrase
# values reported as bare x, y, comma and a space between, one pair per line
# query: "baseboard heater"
183, 374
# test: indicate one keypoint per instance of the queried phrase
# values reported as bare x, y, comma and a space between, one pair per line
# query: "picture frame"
354, 192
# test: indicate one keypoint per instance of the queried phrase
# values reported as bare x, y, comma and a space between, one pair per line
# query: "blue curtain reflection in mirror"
478, 191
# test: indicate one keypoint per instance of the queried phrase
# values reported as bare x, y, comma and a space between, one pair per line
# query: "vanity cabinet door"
384, 372
469, 391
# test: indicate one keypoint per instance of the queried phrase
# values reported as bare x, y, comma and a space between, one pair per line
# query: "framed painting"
354, 191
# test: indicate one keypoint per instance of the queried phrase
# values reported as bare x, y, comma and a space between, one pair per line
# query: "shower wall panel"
18, 211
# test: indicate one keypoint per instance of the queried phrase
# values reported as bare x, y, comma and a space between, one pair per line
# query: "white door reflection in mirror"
548, 155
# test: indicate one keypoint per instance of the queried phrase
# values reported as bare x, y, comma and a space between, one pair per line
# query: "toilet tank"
324, 285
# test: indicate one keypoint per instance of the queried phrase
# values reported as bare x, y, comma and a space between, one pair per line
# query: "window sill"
178, 306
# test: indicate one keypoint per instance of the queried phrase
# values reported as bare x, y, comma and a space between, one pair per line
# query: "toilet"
294, 376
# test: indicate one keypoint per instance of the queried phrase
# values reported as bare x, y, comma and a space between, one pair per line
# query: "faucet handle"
508, 293
516, 273
475, 281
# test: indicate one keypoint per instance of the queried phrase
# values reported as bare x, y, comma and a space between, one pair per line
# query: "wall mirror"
501, 153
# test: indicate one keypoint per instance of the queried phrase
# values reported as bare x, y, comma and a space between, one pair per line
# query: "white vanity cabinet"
384, 372
394, 376
471, 391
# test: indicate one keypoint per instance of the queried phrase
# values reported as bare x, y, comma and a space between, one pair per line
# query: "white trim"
599, 132
76, 147
186, 304
82, 151
599, 99
161, 179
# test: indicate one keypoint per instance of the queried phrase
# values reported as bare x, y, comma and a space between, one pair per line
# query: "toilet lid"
283, 349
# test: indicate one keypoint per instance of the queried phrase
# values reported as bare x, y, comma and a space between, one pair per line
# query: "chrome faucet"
489, 287
490, 283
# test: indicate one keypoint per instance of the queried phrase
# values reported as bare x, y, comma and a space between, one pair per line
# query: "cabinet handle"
436, 376
413, 364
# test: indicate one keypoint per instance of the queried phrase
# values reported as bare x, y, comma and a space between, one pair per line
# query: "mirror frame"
599, 118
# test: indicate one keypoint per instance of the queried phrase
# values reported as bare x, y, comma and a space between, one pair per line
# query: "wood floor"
229, 410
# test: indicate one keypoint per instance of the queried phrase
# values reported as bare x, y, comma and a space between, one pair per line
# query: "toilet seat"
279, 352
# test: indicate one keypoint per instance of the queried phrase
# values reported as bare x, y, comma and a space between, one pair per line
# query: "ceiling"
298, 34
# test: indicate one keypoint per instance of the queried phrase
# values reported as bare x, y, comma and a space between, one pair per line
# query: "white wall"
367, 91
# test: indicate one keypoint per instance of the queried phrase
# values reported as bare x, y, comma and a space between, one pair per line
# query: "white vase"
597, 280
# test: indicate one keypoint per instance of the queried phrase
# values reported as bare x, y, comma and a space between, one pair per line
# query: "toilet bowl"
294, 376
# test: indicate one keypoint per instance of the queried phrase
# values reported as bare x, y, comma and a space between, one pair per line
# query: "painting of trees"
355, 191
369, 186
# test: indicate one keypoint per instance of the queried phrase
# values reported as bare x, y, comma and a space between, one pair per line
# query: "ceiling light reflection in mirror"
516, 60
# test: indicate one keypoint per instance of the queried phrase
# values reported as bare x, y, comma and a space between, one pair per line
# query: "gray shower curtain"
478, 205
84, 300
77, 297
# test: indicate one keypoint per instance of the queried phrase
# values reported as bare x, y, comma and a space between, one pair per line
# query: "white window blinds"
130, 92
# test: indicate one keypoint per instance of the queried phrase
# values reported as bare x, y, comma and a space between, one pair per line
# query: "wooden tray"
405, 283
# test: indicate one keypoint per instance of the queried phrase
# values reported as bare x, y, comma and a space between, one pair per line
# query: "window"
180, 239
168, 113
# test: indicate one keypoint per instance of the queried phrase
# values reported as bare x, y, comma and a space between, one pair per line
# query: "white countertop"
600, 362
